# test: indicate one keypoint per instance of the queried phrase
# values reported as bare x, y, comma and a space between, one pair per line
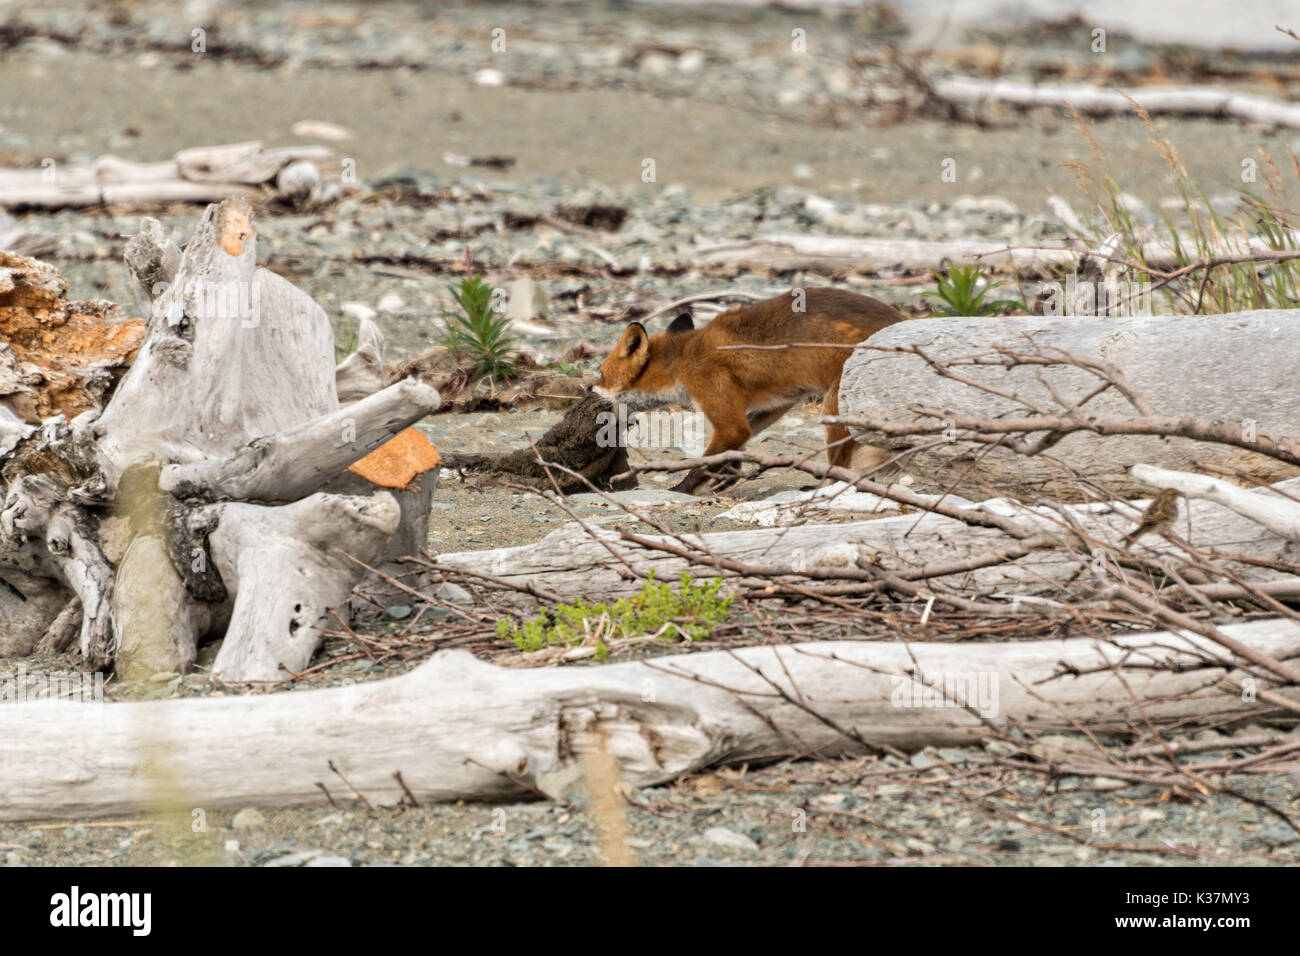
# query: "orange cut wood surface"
53, 353
399, 461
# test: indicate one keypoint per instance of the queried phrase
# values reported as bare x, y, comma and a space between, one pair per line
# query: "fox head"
629, 367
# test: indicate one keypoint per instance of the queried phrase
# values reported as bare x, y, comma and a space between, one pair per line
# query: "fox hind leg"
839, 444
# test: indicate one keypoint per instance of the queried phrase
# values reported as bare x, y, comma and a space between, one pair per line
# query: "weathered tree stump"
194, 504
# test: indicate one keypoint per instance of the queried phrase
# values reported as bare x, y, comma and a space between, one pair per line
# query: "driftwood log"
1234, 370
460, 729
797, 252
194, 505
594, 562
202, 174
782, 253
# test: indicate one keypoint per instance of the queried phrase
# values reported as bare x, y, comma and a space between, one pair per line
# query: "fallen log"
456, 728
594, 562
1179, 365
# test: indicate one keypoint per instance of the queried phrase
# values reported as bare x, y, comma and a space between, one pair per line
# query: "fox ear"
633, 340
683, 323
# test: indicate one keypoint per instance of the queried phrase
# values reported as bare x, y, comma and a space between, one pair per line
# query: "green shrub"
476, 333
960, 290
345, 341
691, 613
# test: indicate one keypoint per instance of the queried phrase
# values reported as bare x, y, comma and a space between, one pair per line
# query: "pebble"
391, 302
247, 819
721, 836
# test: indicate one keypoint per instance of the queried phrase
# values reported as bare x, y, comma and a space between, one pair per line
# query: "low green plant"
476, 332
961, 291
345, 342
689, 613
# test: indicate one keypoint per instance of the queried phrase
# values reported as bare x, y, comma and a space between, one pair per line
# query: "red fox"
743, 391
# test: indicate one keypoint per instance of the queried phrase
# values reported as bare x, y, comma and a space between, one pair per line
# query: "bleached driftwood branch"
362, 372
794, 252
291, 465
1093, 100
798, 252
1276, 513
201, 174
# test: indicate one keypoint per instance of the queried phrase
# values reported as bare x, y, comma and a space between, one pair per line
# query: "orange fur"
744, 391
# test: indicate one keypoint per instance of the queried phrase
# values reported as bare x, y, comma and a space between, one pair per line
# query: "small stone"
490, 77
1108, 783
690, 61
527, 300
641, 498
730, 839
561, 784
390, 302
451, 592
247, 819
330, 861
299, 181
656, 62
320, 129
397, 612
358, 311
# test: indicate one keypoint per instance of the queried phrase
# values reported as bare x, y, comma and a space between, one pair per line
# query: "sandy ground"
402, 119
